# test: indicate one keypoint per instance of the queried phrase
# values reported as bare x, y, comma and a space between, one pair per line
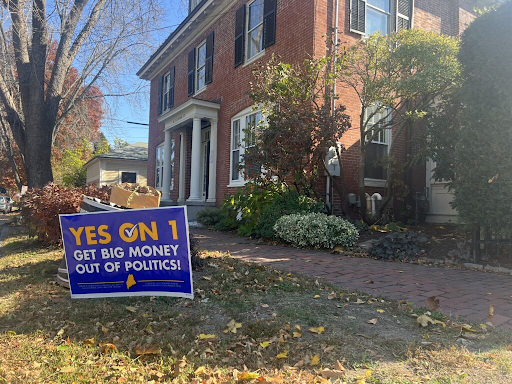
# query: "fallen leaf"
207, 278
359, 301
204, 336
148, 350
68, 369
336, 373
491, 311
432, 303
381, 310
91, 341
265, 344
368, 282
283, 355
314, 360
297, 335
232, 327
264, 305
246, 376
316, 297
201, 371
424, 320
107, 347
131, 309
318, 330
373, 321
331, 296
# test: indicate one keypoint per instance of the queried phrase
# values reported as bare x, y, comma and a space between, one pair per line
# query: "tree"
120, 143
300, 126
397, 78
96, 36
472, 129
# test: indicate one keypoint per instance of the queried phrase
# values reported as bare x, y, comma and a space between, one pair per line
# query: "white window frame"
382, 11
166, 89
159, 165
198, 68
386, 140
242, 119
260, 53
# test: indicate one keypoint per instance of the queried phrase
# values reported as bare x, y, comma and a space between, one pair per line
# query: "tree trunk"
38, 151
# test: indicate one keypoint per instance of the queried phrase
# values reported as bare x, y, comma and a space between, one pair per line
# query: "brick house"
199, 102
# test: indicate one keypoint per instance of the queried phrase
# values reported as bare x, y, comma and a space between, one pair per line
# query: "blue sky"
122, 109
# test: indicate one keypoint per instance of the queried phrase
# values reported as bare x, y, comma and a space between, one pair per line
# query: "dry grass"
46, 337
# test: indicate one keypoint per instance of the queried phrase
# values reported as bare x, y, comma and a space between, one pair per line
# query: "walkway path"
461, 292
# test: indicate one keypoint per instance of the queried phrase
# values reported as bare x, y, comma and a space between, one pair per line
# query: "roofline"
174, 34
99, 157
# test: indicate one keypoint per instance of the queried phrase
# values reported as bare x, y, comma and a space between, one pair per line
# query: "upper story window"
166, 92
255, 29
200, 65
377, 149
384, 16
243, 136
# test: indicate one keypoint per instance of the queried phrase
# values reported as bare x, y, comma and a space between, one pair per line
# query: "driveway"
460, 292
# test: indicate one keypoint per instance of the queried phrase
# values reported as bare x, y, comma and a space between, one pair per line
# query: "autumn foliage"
42, 207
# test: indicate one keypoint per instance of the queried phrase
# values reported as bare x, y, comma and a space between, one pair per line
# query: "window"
159, 166
378, 148
201, 66
370, 16
377, 17
255, 29
166, 93
243, 135
128, 177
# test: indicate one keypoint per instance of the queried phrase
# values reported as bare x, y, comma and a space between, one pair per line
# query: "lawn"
248, 323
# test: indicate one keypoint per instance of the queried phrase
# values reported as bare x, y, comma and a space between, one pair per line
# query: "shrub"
316, 230
41, 208
285, 204
398, 246
209, 216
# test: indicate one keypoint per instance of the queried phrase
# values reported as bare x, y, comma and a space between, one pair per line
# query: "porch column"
212, 182
195, 167
166, 177
183, 156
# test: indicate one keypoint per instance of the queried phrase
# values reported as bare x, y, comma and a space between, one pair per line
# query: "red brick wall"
302, 28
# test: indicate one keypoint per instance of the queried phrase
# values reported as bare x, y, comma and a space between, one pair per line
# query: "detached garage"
123, 165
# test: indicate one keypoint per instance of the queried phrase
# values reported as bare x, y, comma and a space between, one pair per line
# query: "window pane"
255, 42
157, 177
381, 4
201, 56
128, 177
376, 21
236, 135
373, 161
201, 78
255, 13
235, 164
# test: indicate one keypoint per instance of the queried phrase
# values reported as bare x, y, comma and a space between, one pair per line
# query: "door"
440, 210
205, 161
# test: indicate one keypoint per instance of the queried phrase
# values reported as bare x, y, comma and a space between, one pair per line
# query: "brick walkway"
461, 292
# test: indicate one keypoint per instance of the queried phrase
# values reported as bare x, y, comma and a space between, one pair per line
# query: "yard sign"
136, 252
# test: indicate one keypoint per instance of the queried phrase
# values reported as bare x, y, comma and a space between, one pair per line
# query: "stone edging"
471, 266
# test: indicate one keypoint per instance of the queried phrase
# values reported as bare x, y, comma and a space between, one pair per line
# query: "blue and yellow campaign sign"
139, 252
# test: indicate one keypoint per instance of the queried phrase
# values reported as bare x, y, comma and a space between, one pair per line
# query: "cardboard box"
130, 199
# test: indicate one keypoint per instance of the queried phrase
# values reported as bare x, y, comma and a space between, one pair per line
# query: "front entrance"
440, 197
205, 161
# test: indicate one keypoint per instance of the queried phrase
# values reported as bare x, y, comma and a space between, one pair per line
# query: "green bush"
285, 204
399, 246
316, 230
209, 216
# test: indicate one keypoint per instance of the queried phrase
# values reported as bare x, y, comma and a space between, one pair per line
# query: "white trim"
196, 69
257, 56
378, 183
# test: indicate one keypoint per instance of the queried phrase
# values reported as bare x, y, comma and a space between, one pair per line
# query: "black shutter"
160, 95
239, 35
358, 16
172, 76
191, 71
209, 59
269, 23
403, 14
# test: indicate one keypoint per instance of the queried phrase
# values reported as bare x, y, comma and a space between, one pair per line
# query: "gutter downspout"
335, 52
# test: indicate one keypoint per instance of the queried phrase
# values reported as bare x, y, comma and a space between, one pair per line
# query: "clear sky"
122, 109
